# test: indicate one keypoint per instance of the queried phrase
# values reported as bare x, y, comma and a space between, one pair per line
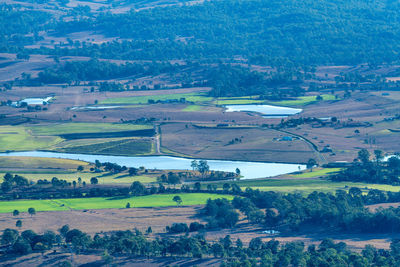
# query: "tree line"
230, 252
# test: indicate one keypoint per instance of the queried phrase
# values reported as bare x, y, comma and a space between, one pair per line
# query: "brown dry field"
96, 221
362, 107
383, 205
257, 144
108, 220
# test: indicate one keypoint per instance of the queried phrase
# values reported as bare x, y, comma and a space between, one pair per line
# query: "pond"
36, 101
265, 110
249, 170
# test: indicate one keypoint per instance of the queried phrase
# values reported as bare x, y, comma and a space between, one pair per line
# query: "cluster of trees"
220, 213
228, 80
231, 252
20, 27
363, 169
344, 211
177, 228
10, 181
94, 69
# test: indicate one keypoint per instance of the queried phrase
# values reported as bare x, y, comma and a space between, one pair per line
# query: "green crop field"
305, 185
68, 128
41, 163
192, 97
107, 203
85, 176
238, 102
20, 138
125, 147
316, 173
302, 100
192, 108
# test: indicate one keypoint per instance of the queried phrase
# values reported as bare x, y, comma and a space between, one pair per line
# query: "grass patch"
192, 97
238, 102
306, 186
107, 203
302, 100
20, 138
316, 173
192, 108
85, 176
125, 147
69, 128
40, 163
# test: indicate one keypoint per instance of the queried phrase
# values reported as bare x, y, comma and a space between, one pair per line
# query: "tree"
363, 156
94, 180
311, 163
22, 247
64, 230
15, 212
197, 186
149, 230
203, 167
194, 164
31, 211
80, 168
128, 205
9, 236
132, 171
177, 199
237, 171
137, 188
18, 224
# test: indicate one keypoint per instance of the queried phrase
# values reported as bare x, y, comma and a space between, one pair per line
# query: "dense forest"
307, 32
265, 32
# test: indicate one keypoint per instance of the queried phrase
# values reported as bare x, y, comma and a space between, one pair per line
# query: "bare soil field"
346, 142
255, 144
383, 206
96, 221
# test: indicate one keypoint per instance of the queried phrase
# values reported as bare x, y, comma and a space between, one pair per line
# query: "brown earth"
256, 144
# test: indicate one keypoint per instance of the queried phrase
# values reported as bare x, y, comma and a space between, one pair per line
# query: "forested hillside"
307, 32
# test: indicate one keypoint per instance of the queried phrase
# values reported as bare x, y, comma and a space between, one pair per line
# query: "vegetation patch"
191, 97
19, 138
73, 128
127, 147
303, 100
108, 203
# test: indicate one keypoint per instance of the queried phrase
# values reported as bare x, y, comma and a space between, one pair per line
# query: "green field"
40, 163
191, 97
107, 203
69, 128
20, 138
124, 147
85, 176
302, 100
316, 173
238, 102
192, 108
305, 185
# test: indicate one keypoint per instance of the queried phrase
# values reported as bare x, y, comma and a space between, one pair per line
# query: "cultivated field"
163, 200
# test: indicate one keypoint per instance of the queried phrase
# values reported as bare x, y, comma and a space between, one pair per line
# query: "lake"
266, 110
249, 170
